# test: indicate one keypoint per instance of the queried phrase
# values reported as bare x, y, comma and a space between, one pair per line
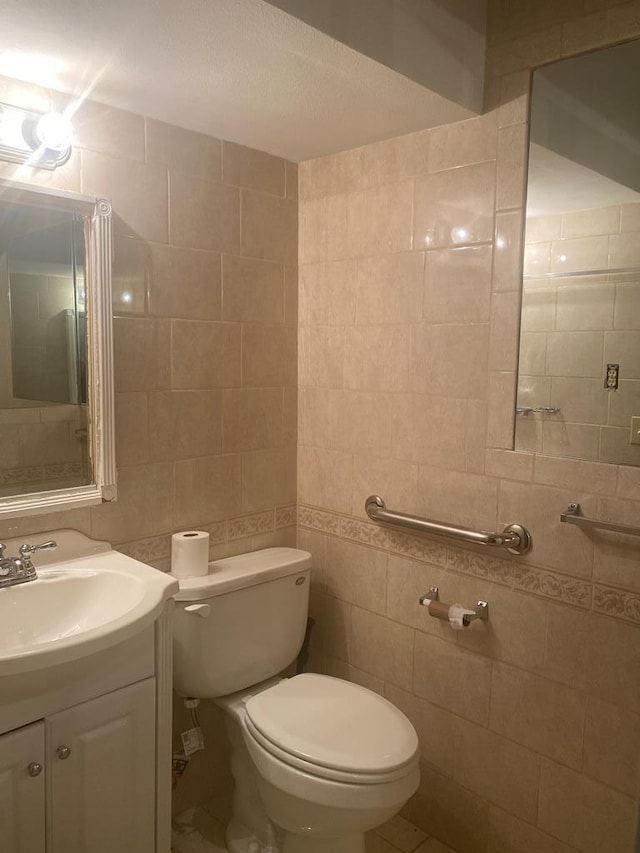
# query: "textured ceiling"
238, 69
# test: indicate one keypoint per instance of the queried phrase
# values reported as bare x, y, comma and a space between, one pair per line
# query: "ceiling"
242, 70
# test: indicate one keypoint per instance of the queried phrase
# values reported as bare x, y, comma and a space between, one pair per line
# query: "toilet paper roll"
456, 612
190, 554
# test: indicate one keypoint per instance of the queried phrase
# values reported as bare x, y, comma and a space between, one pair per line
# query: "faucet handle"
27, 550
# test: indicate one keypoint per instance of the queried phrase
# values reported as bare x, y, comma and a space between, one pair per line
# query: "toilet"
317, 761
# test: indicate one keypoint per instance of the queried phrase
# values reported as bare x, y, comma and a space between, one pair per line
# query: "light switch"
635, 431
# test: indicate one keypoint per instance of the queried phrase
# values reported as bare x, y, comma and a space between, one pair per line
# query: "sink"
78, 607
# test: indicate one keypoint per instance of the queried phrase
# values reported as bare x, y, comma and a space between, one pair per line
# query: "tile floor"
200, 831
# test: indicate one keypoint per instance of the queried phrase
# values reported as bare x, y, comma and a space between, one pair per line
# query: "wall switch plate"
634, 438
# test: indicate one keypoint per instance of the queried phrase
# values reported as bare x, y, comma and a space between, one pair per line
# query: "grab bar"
571, 515
515, 538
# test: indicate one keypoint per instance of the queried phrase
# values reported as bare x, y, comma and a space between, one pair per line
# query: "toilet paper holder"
441, 610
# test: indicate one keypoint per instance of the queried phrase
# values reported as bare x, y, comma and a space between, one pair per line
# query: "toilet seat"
332, 729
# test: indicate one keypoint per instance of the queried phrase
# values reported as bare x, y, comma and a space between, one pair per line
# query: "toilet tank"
240, 624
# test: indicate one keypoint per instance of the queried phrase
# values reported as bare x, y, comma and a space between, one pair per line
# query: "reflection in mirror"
49, 244
579, 368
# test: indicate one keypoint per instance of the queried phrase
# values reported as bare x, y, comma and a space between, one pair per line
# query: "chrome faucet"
20, 569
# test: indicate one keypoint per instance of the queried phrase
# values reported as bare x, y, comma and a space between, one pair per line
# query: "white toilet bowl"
322, 759
332, 760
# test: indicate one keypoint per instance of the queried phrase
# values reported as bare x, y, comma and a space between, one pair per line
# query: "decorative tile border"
363, 531
286, 516
481, 566
217, 533
617, 602
551, 585
148, 550
250, 525
507, 571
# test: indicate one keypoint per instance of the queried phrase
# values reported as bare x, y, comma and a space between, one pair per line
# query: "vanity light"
42, 141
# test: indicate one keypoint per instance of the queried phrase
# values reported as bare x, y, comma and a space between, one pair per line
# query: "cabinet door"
101, 774
22, 790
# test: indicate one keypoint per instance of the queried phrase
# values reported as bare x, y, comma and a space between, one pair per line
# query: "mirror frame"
101, 431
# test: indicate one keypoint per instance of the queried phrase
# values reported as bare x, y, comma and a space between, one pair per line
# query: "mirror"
579, 366
56, 396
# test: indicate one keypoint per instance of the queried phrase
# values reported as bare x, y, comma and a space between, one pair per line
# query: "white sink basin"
78, 607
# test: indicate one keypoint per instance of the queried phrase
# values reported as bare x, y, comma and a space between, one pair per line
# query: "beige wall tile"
546, 717
389, 289
130, 271
452, 678
205, 355
321, 356
613, 663
184, 283
252, 290
612, 746
325, 478
457, 285
450, 360
207, 489
407, 582
497, 769
131, 427
427, 430
183, 150
144, 506
141, 354
251, 419
435, 727
512, 166
507, 255
204, 214
268, 478
503, 345
268, 355
623, 251
470, 499
379, 220
376, 358
322, 229
269, 227
582, 253
352, 414
463, 143
577, 354
314, 416
138, 193
584, 813
382, 647
569, 473
104, 129
590, 223
579, 400
538, 507
355, 573
580, 441
451, 812
507, 834
371, 474
454, 207
256, 170
184, 424
328, 293
332, 630
508, 465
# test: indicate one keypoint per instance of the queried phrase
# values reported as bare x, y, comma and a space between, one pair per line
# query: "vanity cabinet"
22, 791
96, 791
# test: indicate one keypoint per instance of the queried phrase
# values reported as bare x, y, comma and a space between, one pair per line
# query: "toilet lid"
334, 723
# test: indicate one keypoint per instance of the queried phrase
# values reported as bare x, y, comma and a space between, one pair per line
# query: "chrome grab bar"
571, 515
515, 538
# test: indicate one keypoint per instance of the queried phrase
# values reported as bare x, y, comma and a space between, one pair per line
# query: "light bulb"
54, 132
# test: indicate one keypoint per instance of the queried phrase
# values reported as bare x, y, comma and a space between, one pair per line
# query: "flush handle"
202, 610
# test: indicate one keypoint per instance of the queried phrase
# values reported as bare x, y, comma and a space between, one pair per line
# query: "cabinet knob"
35, 769
63, 752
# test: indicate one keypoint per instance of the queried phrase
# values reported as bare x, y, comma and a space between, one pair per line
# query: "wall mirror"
579, 367
56, 386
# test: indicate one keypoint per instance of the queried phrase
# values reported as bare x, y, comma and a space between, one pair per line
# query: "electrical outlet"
611, 379
634, 438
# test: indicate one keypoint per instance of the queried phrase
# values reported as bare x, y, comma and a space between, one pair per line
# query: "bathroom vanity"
85, 690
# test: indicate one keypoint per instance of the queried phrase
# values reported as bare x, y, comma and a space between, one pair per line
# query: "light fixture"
34, 139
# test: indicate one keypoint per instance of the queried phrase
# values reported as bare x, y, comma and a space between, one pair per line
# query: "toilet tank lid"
242, 571
334, 723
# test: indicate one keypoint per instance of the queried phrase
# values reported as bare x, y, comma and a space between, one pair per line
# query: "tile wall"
408, 335
573, 326
205, 314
